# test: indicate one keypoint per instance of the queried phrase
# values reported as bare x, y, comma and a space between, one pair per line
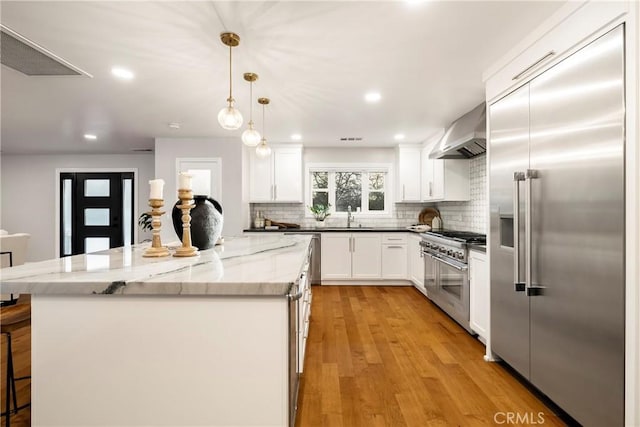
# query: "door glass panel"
451, 281
95, 244
96, 216
96, 188
201, 181
67, 233
127, 214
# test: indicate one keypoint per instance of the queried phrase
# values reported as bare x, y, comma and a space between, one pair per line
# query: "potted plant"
320, 213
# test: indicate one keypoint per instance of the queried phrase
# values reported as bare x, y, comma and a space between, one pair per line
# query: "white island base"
160, 360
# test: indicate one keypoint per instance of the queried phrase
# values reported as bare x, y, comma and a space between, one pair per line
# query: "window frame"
364, 168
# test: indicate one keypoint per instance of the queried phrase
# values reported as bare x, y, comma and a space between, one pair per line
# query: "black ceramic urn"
206, 222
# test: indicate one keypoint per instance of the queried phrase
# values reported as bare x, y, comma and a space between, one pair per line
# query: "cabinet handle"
354, 244
395, 247
391, 238
403, 192
350, 245
275, 192
430, 189
532, 66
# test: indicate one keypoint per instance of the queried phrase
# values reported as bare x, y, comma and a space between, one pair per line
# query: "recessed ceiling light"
122, 73
373, 97
296, 137
174, 125
90, 136
398, 136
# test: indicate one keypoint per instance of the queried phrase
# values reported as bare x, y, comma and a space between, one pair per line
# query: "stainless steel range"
446, 271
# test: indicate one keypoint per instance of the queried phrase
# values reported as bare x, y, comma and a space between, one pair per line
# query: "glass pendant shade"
263, 150
230, 118
251, 137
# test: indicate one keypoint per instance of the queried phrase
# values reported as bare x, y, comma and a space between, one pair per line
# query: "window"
364, 189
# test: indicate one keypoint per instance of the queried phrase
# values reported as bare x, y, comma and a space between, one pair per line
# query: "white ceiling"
315, 59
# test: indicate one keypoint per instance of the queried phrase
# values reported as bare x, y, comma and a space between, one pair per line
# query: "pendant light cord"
251, 103
230, 78
264, 126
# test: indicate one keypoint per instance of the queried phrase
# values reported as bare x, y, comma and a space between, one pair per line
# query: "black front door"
96, 211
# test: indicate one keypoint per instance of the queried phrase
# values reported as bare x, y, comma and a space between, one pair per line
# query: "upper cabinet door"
260, 178
277, 178
287, 174
409, 175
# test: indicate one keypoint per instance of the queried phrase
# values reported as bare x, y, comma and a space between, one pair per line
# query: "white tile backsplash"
465, 216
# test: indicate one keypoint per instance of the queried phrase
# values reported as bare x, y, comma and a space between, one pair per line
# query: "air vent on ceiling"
26, 56
351, 138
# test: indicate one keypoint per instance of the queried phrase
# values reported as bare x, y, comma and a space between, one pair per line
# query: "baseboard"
366, 283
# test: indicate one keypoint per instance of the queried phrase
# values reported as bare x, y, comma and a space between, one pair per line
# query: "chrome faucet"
349, 217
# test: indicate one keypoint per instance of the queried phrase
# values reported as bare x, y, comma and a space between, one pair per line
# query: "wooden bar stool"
13, 318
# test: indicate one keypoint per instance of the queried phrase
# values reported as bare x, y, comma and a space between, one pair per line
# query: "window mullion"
365, 192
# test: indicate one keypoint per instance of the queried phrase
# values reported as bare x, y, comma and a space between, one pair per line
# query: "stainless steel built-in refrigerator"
557, 231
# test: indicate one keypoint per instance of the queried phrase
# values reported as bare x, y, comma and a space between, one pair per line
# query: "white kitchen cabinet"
277, 178
365, 256
351, 256
479, 294
408, 188
394, 256
444, 179
336, 256
416, 262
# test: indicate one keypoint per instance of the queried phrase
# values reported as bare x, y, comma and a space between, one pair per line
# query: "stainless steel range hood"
464, 138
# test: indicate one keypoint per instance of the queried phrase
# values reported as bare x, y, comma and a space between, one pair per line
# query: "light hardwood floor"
380, 356
386, 356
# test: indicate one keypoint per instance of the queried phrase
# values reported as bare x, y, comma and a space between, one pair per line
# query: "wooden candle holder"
186, 199
156, 249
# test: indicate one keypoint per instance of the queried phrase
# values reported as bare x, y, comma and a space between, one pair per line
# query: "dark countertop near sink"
332, 230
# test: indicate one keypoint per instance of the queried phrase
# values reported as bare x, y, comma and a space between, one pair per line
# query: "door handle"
528, 274
457, 267
517, 178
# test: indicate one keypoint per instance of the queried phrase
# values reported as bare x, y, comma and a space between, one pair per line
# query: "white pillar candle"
156, 186
184, 181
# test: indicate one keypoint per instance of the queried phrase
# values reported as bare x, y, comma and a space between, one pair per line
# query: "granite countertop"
248, 266
330, 230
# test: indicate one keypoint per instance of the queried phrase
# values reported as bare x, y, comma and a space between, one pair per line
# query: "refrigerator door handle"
528, 274
517, 284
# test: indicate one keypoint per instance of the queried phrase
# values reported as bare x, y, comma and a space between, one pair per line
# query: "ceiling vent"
29, 58
351, 139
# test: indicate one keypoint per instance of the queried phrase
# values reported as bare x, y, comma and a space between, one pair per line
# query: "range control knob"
460, 255
443, 249
450, 252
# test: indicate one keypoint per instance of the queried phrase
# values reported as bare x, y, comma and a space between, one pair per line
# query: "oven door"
452, 281
430, 284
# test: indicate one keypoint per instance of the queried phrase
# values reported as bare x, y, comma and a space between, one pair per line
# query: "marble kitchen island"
118, 339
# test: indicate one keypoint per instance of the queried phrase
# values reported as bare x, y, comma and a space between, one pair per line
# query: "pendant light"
229, 117
263, 150
250, 136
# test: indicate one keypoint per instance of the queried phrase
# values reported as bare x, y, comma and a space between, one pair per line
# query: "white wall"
28, 196
230, 150
349, 155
